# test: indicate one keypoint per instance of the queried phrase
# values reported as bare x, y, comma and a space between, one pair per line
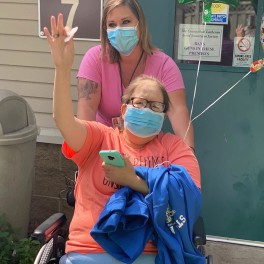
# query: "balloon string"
220, 96
196, 81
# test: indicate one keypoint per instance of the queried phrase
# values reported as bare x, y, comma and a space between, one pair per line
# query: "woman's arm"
89, 95
179, 117
72, 129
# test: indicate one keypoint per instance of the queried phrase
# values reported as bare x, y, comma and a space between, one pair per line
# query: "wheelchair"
53, 243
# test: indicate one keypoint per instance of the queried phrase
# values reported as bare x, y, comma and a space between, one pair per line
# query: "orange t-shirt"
92, 190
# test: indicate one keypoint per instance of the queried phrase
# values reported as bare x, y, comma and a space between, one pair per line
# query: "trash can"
18, 133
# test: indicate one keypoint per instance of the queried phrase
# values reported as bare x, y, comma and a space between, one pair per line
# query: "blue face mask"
123, 39
143, 122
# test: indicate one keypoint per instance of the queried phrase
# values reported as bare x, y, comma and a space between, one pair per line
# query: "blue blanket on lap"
124, 227
169, 212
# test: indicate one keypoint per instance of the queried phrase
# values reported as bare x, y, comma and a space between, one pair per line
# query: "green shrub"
15, 251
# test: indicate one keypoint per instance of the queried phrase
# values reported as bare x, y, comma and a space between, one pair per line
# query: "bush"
14, 251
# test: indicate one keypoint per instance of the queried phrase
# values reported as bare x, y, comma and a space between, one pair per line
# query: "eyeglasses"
139, 102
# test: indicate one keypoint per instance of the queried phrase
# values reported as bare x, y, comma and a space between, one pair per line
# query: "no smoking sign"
244, 44
243, 51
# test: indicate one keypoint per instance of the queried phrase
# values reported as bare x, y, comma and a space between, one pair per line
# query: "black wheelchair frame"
48, 234
53, 244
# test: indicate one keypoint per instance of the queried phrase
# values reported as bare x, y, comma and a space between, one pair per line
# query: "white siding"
25, 62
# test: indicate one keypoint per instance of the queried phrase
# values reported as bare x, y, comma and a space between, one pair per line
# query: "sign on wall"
219, 13
243, 51
197, 42
84, 14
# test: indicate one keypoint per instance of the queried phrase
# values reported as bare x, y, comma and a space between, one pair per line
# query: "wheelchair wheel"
46, 254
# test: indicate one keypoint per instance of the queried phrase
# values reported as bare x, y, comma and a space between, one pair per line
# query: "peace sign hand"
62, 52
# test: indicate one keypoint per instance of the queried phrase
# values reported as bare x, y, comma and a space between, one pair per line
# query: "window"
228, 39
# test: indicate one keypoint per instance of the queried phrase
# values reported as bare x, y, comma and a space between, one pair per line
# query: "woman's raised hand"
240, 31
62, 52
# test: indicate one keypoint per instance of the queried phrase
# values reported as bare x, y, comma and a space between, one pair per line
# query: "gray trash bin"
18, 133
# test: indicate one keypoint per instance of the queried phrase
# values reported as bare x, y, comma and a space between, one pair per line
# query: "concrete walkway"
225, 253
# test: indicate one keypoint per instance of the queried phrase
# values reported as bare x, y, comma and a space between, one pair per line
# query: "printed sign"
198, 42
84, 14
243, 51
219, 14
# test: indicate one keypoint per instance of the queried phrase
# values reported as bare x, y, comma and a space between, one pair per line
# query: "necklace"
132, 75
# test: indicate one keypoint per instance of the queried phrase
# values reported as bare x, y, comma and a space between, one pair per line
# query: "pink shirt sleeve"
90, 66
95, 68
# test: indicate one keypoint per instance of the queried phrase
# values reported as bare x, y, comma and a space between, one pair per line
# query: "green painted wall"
230, 143
160, 20
229, 136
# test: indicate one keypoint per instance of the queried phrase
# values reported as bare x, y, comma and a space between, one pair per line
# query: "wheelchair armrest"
199, 236
49, 228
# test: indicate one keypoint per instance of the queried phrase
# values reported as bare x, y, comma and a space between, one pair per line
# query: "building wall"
26, 68
25, 62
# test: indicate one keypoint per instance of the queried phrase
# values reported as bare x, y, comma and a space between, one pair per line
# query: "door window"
227, 39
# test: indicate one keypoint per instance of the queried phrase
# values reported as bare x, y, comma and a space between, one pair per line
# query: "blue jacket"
171, 207
124, 226
174, 202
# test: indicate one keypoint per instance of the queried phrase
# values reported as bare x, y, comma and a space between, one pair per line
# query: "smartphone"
112, 157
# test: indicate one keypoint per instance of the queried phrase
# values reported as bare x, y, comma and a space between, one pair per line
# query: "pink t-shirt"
92, 190
101, 71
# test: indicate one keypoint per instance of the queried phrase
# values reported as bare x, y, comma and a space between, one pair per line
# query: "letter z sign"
84, 14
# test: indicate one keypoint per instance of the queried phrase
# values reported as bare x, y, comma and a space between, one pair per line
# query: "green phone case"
112, 157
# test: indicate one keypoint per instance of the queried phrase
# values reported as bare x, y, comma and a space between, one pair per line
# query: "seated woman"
144, 107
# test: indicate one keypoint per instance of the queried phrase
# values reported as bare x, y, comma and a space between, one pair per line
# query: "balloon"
233, 3
257, 65
207, 12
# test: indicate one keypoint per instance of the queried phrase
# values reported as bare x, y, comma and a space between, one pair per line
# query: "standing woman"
125, 53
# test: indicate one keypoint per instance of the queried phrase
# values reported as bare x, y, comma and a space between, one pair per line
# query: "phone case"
112, 157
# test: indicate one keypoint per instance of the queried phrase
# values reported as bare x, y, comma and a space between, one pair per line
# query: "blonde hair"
144, 39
